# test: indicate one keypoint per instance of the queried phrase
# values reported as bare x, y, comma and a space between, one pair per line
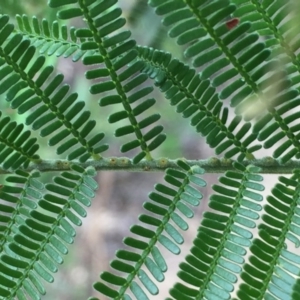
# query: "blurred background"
120, 196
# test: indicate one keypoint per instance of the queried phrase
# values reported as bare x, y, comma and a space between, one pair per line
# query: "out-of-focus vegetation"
31, 7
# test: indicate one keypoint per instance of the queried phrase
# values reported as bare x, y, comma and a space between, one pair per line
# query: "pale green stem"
268, 165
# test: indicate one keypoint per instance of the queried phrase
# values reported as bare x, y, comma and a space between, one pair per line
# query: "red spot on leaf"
232, 23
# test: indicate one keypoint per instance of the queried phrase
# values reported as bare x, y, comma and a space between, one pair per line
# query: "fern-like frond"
197, 99
53, 108
116, 50
241, 59
272, 269
165, 205
16, 147
38, 243
218, 252
50, 39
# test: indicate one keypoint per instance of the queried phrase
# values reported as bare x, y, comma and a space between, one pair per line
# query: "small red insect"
232, 23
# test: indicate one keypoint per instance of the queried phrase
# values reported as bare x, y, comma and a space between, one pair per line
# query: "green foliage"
241, 94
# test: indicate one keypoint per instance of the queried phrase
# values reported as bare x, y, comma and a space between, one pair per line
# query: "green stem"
268, 165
